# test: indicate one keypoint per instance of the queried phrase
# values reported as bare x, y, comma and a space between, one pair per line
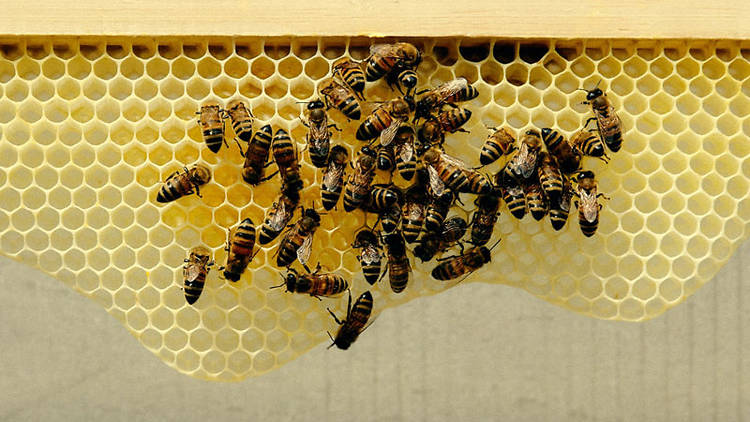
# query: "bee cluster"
540, 172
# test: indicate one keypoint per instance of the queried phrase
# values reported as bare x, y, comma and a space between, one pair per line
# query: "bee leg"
461, 130
461, 246
239, 146
317, 268
335, 318
269, 177
446, 258
333, 125
306, 268
575, 203
421, 92
601, 195
197, 190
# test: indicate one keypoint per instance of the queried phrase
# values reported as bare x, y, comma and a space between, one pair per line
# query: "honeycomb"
90, 128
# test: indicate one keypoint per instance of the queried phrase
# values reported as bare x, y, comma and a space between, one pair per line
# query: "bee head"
200, 174
432, 155
291, 281
484, 252
312, 214
487, 201
593, 94
315, 105
364, 237
368, 151
317, 114
586, 174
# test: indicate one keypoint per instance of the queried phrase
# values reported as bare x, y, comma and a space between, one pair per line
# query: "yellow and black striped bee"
391, 112
341, 97
559, 147
257, 155
535, 198
277, 218
194, 272
180, 184
512, 193
413, 212
350, 72
357, 186
212, 126
333, 177
559, 210
500, 142
405, 79
297, 241
523, 163
451, 231
240, 244
381, 198
242, 120
445, 171
549, 176
399, 266
607, 121
437, 210
406, 161
484, 218
587, 143
390, 218
285, 155
355, 322
319, 137
433, 131
464, 264
370, 255
451, 92
385, 158
589, 206
478, 183
315, 284
384, 58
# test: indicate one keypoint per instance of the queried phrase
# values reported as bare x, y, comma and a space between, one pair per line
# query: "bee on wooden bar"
535, 198
512, 193
357, 186
179, 184
558, 147
484, 218
437, 210
240, 244
256, 156
285, 155
355, 322
451, 231
384, 58
607, 120
212, 125
455, 91
370, 254
500, 142
524, 162
341, 97
558, 210
277, 217
333, 177
298, 239
316, 284
413, 212
550, 176
589, 206
464, 264
445, 171
387, 114
194, 272
242, 120
406, 162
587, 143
319, 137
350, 72
399, 266
405, 79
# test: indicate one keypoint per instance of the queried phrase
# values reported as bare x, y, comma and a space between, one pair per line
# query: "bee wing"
192, 272
387, 135
450, 88
589, 205
332, 178
385, 50
454, 161
449, 226
369, 255
303, 253
526, 160
278, 220
415, 210
436, 184
406, 151
318, 132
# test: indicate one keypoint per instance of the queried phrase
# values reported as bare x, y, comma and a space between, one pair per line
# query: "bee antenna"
333, 342
496, 243
582, 89
597, 84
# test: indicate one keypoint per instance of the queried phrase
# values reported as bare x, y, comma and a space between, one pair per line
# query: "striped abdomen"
287, 253
558, 217
590, 144
378, 65
484, 225
194, 288
371, 271
357, 188
610, 127
587, 227
551, 181
536, 201
453, 119
318, 151
434, 218
285, 156
374, 124
351, 74
243, 239
398, 272
465, 94
256, 156
478, 184
452, 176
324, 284
176, 186
559, 147
515, 199
355, 322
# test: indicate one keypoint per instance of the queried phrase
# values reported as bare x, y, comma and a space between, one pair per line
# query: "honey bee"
399, 266
478, 183
350, 72
381, 198
550, 176
319, 137
607, 121
535, 198
406, 162
355, 322
413, 212
179, 184
240, 244
524, 161
298, 239
513, 194
451, 231
586, 143
194, 272
464, 264
390, 113
212, 125
558, 147
357, 185
341, 97
437, 210
434, 128
484, 219
277, 218
500, 142
256, 156
315, 284
390, 218
285, 155
455, 91
558, 210
405, 79
385, 158
370, 255
333, 177
242, 120
589, 206
445, 171
384, 58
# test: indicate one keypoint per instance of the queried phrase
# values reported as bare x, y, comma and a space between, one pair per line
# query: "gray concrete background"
475, 352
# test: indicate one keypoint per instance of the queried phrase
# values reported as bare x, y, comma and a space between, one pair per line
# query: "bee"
558, 210
355, 322
350, 72
484, 218
550, 176
297, 241
194, 272
500, 142
399, 266
358, 184
240, 244
512, 193
558, 147
384, 58
437, 210
607, 120
586, 143
212, 125
285, 155
433, 130
451, 231
445, 171
315, 284
455, 91
370, 255
278, 216
413, 212
589, 206
478, 183
319, 137
180, 184
381, 197
406, 162
242, 120
385, 158
405, 79
464, 264
257, 155
341, 97
390, 218
524, 161
389, 113
333, 177
535, 198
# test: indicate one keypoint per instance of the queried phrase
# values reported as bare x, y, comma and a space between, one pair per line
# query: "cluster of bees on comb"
542, 175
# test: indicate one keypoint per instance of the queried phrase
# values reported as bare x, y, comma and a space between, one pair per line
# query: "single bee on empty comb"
212, 125
240, 245
589, 206
194, 272
607, 121
179, 184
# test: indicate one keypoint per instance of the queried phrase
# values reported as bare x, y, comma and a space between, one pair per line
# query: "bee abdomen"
406, 168
168, 193
411, 231
371, 127
398, 277
351, 108
329, 285
193, 289
614, 141
490, 153
243, 129
319, 156
588, 228
445, 271
330, 198
374, 70
287, 255
266, 235
214, 139
371, 272
558, 218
